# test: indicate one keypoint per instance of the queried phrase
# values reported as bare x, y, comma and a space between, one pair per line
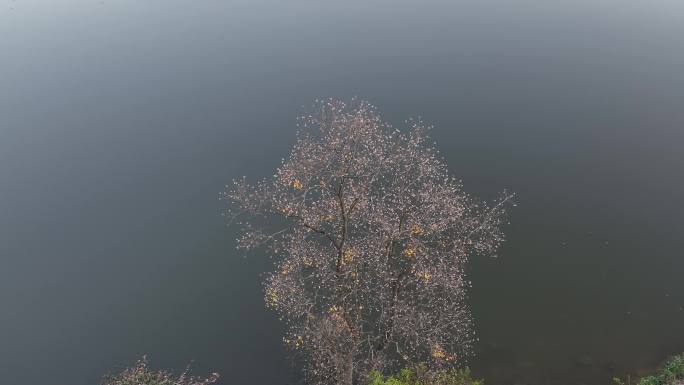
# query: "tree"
370, 234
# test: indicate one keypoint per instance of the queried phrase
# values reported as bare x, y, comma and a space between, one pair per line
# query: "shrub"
420, 376
671, 373
140, 374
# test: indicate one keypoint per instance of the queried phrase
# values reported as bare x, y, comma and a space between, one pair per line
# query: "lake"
121, 121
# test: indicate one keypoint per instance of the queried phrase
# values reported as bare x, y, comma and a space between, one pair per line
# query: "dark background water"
121, 121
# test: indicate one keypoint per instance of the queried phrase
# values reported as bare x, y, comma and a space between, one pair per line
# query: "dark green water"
120, 122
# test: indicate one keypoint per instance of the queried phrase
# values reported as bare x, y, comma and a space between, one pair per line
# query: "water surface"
122, 120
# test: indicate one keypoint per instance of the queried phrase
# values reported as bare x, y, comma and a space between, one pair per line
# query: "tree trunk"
348, 371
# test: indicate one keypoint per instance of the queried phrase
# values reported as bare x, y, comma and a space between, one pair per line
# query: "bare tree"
370, 234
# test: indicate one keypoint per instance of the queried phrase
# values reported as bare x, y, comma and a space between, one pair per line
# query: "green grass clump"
419, 376
671, 373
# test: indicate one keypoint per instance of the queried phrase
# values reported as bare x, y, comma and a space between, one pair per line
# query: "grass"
671, 373
419, 376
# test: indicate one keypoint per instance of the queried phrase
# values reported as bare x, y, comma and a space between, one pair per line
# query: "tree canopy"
370, 234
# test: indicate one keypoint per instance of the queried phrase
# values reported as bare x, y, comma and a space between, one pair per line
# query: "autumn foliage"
370, 234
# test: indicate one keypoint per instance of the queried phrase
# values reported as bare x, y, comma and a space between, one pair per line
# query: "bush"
420, 376
671, 373
140, 374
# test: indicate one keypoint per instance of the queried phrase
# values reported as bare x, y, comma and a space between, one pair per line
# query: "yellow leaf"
424, 276
347, 257
438, 353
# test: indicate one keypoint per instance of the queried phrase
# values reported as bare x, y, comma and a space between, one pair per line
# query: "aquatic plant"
371, 234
